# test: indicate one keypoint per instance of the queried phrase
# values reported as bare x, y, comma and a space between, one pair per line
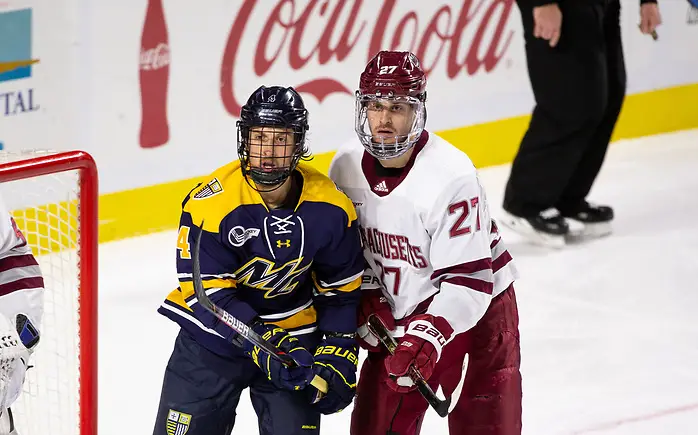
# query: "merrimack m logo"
262, 274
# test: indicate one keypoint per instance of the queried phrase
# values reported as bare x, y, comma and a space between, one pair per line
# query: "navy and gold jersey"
299, 268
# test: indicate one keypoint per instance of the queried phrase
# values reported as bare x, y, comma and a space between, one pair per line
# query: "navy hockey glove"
280, 375
336, 360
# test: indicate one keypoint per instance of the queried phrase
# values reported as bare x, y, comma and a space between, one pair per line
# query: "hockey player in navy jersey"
439, 276
281, 252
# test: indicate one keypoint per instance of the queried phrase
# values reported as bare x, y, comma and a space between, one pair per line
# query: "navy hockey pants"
201, 391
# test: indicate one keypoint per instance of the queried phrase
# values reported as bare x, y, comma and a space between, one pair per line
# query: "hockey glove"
18, 337
373, 302
336, 360
283, 377
420, 347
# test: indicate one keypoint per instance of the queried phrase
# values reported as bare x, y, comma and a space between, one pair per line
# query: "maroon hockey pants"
490, 403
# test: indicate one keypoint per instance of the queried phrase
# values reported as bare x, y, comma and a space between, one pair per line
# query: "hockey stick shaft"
378, 328
238, 326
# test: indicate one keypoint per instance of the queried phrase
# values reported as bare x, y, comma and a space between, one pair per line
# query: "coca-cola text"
442, 39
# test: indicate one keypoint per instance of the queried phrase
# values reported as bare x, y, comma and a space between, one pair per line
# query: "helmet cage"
291, 153
377, 146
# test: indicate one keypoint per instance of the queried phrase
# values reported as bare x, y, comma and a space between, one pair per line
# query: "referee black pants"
579, 87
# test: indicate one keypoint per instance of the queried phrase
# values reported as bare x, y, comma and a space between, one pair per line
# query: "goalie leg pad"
7, 423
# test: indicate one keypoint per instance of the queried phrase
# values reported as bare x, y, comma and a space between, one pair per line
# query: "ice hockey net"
53, 198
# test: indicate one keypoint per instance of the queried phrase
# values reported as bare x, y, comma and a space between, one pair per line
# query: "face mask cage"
382, 146
269, 153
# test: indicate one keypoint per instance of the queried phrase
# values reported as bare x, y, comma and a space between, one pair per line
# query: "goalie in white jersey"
21, 307
438, 273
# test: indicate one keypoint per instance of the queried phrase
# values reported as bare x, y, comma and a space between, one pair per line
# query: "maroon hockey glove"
420, 347
373, 302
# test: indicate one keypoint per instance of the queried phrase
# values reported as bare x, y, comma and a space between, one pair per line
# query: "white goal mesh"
47, 209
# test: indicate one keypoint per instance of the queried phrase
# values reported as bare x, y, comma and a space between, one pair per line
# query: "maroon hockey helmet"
394, 72
394, 77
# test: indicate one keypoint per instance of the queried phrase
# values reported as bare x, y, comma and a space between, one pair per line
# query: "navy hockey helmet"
271, 134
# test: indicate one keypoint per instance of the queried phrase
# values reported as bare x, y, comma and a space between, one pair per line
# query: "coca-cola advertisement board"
320, 47
178, 72
457, 40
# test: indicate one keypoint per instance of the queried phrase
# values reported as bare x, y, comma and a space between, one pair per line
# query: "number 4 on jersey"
463, 209
183, 245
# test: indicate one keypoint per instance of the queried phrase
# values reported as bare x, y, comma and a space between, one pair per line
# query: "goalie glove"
16, 339
336, 360
421, 347
282, 376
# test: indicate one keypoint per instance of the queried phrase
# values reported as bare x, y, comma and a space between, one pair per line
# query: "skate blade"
581, 232
521, 227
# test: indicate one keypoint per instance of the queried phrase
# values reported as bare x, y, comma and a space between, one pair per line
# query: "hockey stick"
442, 406
238, 326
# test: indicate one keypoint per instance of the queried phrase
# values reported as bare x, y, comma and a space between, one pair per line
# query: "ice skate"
590, 222
548, 228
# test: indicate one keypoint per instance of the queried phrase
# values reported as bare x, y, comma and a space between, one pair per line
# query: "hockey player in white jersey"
444, 280
21, 307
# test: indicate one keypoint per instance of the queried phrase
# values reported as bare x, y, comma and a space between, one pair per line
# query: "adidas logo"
381, 187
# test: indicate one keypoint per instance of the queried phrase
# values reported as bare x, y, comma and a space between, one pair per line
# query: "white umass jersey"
21, 282
427, 232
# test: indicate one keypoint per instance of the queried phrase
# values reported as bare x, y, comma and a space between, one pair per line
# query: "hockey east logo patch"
212, 188
177, 422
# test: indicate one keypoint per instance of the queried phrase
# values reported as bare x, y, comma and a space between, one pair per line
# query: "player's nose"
267, 150
385, 117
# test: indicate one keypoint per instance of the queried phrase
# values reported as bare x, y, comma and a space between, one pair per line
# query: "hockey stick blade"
378, 328
459, 388
235, 324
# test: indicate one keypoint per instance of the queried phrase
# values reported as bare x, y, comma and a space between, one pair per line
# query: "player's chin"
384, 139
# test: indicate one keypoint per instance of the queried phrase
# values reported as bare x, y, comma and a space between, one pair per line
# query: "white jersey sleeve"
21, 281
460, 225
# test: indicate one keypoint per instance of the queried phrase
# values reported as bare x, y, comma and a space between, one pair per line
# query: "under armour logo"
381, 187
286, 244
280, 224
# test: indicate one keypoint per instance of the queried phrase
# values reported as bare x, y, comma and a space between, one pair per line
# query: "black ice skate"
548, 228
589, 222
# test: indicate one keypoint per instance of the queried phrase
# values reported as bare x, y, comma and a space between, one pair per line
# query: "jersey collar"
384, 180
